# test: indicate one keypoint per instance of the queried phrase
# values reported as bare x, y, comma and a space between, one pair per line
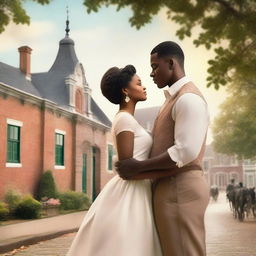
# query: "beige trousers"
179, 207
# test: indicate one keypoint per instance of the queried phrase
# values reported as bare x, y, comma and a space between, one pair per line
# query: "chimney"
25, 52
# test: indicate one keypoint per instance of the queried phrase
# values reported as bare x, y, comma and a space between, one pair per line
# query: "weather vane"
67, 23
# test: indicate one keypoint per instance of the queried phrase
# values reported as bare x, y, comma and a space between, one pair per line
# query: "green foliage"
12, 10
28, 208
228, 26
72, 200
47, 187
12, 198
4, 212
234, 130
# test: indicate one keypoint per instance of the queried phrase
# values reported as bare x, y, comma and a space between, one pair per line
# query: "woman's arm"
125, 144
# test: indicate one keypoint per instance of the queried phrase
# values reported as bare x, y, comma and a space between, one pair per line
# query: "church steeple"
67, 24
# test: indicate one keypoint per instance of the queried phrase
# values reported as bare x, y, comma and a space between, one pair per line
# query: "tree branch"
229, 8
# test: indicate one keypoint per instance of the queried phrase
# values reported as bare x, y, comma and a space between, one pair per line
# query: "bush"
47, 187
4, 212
12, 198
72, 200
28, 208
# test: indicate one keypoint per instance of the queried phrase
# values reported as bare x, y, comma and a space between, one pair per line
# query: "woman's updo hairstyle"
114, 80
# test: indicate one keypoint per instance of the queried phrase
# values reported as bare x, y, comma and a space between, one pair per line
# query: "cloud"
17, 35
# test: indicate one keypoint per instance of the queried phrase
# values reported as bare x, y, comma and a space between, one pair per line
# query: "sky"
103, 40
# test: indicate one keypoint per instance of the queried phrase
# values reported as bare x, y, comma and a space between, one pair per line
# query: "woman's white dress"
120, 221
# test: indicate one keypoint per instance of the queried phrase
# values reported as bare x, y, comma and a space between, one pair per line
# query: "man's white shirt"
191, 116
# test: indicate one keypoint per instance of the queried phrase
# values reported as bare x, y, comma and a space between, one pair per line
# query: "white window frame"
19, 124
14, 122
60, 131
59, 167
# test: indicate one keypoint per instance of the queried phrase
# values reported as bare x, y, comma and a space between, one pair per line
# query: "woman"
120, 221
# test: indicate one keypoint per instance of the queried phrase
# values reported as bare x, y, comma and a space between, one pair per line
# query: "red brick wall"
38, 148
86, 138
22, 178
51, 121
227, 170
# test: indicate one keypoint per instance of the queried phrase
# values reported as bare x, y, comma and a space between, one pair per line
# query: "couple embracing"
156, 205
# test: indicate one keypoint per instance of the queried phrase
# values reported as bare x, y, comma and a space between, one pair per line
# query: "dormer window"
79, 101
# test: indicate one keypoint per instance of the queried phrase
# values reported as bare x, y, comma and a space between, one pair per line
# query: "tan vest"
163, 131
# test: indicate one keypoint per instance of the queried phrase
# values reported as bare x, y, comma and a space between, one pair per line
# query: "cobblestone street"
225, 236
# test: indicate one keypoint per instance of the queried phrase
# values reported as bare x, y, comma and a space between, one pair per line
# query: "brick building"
221, 168
50, 120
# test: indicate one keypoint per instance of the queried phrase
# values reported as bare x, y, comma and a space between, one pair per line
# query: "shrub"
72, 200
4, 212
47, 187
12, 198
28, 208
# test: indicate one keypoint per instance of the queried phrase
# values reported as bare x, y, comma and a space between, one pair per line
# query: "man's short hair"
169, 48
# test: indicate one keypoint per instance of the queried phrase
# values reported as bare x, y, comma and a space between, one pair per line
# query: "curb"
32, 240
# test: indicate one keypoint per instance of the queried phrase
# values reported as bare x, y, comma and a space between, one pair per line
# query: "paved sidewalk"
15, 235
226, 236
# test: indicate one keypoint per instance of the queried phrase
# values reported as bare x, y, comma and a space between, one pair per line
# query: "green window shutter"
110, 156
59, 149
13, 144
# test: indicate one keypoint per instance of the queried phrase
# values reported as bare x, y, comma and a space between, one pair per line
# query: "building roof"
52, 85
14, 77
98, 114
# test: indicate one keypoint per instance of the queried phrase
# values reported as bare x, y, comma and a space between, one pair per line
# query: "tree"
12, 10
234, 130
228, 25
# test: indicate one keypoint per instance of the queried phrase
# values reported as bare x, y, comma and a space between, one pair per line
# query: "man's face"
161, 71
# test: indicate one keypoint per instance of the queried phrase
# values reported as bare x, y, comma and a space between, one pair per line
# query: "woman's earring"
127, 99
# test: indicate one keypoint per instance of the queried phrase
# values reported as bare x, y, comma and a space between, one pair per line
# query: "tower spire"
67, 23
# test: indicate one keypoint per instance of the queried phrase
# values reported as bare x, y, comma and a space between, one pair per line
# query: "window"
59, 149
110, 157
13, 144
79, 101
206, 165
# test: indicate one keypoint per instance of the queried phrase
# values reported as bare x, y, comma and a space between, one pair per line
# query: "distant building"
221, 168
49, 120
218, 168
146, 117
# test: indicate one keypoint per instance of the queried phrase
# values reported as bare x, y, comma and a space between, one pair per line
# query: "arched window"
79, 101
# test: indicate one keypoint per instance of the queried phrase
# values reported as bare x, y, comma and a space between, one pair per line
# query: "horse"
230, 194
250, 207
214, 192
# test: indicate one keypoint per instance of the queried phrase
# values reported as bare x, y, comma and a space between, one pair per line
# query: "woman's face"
135, 90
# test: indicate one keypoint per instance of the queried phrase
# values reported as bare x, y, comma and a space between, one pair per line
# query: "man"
180, 191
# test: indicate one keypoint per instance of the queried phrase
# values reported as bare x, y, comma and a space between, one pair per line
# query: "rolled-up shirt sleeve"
191, 117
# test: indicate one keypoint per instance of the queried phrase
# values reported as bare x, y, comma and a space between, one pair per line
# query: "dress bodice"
124, 121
